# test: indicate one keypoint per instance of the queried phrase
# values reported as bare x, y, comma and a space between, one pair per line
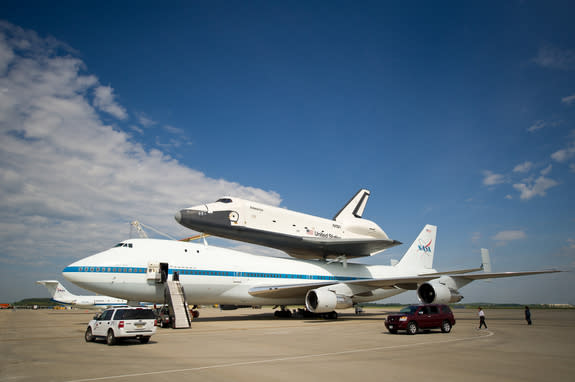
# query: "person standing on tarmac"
527, 315
481, 315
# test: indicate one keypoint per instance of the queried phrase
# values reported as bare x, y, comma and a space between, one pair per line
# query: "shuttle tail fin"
57, 290
354, 208
419, 257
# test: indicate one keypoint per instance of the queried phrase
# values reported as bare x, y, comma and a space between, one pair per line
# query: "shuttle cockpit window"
224, 200
128, 245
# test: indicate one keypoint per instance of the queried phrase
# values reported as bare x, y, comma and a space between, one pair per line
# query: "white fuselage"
91, 301
212, 275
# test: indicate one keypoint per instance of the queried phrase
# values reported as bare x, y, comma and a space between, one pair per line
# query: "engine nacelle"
436, 293
325, 301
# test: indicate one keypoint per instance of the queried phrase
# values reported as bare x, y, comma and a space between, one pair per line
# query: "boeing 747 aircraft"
61, 295
300, 235
136, 269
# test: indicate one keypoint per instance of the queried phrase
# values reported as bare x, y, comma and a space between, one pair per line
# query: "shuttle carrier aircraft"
300, 235
212, 275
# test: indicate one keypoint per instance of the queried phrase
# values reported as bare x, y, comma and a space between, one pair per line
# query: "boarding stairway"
177, 304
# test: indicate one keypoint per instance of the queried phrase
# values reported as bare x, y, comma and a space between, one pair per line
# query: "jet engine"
437, 293
325, 301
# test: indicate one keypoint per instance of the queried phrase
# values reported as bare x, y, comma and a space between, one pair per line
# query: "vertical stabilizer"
419, 257
57, 290
354, 208
485, 260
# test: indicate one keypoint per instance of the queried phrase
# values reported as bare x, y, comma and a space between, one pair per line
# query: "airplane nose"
178, 216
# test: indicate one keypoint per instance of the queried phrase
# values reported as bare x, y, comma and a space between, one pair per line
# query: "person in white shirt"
481, 315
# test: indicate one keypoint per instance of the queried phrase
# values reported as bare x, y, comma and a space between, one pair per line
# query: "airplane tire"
111, 338
88, 335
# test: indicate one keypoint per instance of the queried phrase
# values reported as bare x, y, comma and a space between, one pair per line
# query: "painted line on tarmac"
282, 359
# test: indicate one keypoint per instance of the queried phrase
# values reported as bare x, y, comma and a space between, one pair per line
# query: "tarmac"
252, 345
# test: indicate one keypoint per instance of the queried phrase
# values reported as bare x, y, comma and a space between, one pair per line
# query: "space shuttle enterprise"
303, 236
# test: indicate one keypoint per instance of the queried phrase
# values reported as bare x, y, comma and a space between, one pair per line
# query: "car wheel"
144, 340
411, 328
88, 335
445, 327
110, 338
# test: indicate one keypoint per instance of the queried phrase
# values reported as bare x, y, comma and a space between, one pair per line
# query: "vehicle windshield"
408, 309
134, 314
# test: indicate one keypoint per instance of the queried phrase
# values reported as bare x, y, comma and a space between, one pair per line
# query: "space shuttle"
300, 235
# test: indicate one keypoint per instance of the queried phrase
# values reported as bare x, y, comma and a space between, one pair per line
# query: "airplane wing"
408, 282
481, 276
348, 247
287, 291
300, 290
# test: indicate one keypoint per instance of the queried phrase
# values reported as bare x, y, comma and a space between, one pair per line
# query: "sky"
457, 114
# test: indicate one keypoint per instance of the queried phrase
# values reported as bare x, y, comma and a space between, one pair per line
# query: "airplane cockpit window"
129, 245
224, 200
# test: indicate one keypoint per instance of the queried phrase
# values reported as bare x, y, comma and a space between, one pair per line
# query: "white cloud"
173, 130
530, 189
492, 179
475, 237
523, 167
551, 57
509, 235
564, 155
144, 120
541, 124
546, 170
569, 99
538, 125
69, 184
104, 100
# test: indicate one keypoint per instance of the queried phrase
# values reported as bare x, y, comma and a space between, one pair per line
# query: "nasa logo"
425, 247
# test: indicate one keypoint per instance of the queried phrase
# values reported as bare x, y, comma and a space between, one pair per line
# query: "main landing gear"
303, 313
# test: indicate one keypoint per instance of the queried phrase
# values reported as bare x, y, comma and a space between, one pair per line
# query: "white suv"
125, 322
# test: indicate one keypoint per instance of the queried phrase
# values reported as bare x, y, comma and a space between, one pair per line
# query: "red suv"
415, 317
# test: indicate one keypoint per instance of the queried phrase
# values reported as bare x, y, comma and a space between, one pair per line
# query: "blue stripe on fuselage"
197, 272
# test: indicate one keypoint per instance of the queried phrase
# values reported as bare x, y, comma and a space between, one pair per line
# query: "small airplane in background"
300, 235
211, 275
61, 295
